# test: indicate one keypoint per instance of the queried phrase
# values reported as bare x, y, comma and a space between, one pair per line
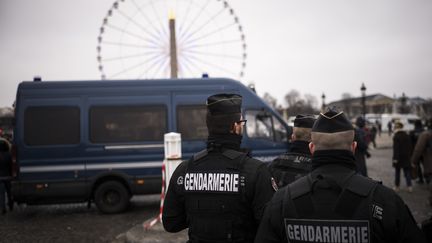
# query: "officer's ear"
311, 147
353, 146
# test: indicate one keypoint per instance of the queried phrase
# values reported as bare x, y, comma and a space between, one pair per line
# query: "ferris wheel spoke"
132, 67
210, 33
183, 70
110, 59
131, 34
154, 62
194, 19
155, 38
191, 46
167, 70
150, 23
160, 67
202, 53
191, 62
213, 65
130, 45
159, 19
211, 19
186, 14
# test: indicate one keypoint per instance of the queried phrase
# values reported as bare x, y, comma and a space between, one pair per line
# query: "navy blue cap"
305, 121
224, 104
332, 121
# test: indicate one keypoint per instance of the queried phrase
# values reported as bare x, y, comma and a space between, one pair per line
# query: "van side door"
125, 138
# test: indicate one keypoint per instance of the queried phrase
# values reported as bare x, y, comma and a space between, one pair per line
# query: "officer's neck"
340, 157
227, 141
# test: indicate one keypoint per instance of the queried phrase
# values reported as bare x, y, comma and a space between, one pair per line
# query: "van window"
51, 125
191, 122
265, 126
118, 124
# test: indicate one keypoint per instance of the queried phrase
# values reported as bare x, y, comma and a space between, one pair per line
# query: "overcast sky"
315, 47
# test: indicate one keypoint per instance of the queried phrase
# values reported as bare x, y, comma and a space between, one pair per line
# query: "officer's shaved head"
303, 127
301, 133
332, 131
332, 141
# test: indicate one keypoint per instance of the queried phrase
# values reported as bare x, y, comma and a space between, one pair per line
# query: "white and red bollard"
172, 147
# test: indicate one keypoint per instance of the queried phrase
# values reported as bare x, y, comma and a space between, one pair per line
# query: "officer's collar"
300, 146
339, 157
230, 141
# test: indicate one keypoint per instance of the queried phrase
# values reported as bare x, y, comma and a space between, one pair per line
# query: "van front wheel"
111, 197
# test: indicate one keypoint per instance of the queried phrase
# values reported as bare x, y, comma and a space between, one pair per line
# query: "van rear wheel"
111, 197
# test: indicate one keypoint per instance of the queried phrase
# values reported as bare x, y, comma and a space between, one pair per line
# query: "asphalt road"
73, 222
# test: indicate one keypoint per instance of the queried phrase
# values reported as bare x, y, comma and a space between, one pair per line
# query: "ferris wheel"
142, 39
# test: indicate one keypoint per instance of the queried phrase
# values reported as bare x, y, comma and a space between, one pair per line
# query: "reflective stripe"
140, 146
124, 165
117, 165
49, 168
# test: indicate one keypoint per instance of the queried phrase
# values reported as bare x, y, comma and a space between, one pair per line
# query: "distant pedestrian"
390, 127
5, 174
297, 162
402, 150
423, 148
379, 126
373, 134
414, 135
362, 146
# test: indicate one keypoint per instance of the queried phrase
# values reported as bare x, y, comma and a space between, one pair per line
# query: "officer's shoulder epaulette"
361, 185
232, 154
200, 155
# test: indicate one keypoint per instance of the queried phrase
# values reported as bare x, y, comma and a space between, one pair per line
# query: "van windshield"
263, 125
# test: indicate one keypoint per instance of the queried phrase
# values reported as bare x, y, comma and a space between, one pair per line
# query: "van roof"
129, 83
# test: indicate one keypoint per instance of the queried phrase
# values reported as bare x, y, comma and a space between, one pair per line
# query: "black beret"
305, 121
332, 121
224, 104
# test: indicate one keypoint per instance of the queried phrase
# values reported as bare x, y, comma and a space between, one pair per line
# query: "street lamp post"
403, 104
323, 102
363, 100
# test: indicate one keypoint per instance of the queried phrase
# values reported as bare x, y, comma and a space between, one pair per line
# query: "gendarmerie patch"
212, 182
315, 230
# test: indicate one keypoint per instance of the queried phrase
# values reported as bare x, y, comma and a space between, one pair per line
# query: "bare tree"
300, 105
311, 100
270, 100
292, 98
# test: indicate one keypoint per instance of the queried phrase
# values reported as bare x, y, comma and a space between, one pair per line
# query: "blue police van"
102, 141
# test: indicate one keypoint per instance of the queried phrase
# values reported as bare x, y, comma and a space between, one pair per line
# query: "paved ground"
379, 168
73, 222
